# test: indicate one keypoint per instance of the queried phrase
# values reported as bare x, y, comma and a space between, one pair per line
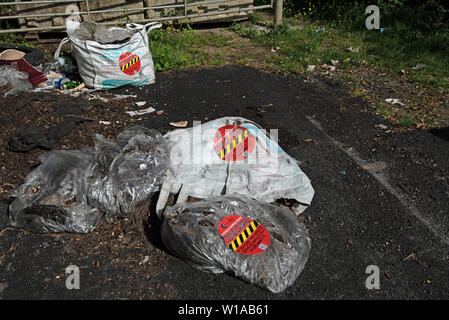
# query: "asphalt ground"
381, 198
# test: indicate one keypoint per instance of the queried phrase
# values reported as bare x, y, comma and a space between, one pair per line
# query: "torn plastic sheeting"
231, 155
258, 242
133, 166
73, 190
16, 58
17, 79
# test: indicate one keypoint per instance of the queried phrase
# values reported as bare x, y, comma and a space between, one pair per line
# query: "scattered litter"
145, 260
179, 124
382, 30
330, 68
260, 29
382, 126
355, 50
50, 83
310, 67
66, 84
105, 122
123, 96
103, 68
73, 190
160, 112
258, 242
257, 166
16, 60
32, 55
394, 101
320, 30
140, 112
17, 79
419, 66
334, 62
141, 103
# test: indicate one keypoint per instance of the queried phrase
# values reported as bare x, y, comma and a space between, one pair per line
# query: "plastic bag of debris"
128, 170
53, 197
232, 155
258, 242
110, 57
17, 79
73, 190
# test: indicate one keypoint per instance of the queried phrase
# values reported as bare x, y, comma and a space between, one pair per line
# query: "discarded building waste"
17, 79
16, 59
110, 57
231, 155
73, 190
258, 242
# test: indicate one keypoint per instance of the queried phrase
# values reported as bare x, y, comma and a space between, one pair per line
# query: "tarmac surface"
381, 198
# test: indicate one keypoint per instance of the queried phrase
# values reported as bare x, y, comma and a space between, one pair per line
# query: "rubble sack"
231, 155
73, 190
110, 57
258, 242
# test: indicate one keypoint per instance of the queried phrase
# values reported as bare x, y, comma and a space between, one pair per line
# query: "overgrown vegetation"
319, 33
405, 42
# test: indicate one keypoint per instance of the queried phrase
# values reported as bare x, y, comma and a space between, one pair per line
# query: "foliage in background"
416, 32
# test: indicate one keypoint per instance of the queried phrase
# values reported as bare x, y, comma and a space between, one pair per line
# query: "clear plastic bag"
17, 79
258, 242
127, 171
73, 190
53, 197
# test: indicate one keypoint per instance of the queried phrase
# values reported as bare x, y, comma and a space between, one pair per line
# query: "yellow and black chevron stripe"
237, 140
130, 63
237, 242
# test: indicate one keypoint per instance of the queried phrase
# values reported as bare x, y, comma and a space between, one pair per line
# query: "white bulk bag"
110, 57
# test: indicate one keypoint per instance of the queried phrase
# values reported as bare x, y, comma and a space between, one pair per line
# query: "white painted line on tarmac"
375, 170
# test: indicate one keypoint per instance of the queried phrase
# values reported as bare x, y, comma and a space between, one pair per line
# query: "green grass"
398, 48
296, 47
179, 49
406, 122
12, 38
383, 109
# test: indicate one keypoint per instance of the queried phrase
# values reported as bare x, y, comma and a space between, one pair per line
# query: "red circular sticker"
129, 63
233, 143
244, 235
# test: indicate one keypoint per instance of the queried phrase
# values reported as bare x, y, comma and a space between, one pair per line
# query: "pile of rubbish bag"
73, 190
258, 242
222, 220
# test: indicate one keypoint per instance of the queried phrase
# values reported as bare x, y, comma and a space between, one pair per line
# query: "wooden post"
278, 12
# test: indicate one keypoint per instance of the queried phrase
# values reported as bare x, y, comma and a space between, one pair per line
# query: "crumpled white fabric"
268, 173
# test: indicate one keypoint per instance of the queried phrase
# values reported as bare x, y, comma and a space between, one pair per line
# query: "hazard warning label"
244, 235
129, 63
233, 143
